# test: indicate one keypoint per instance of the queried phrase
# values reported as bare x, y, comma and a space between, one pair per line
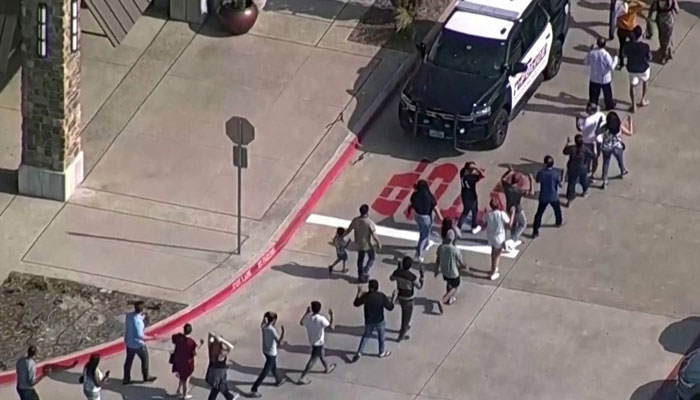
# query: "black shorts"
316, 351
452, 282
343, 256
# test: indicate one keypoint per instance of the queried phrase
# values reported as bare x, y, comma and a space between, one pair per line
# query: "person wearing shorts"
449, 261
496, 222
638, 56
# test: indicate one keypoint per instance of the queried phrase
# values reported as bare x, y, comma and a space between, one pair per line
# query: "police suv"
474, 75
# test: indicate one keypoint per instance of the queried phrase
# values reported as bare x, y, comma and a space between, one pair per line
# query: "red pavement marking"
176, 321
439, 178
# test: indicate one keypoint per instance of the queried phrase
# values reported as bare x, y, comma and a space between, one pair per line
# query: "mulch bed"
377, 28
61, 317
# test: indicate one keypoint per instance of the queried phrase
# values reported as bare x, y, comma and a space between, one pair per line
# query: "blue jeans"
617, 153
369, 330
425, 224
579, 175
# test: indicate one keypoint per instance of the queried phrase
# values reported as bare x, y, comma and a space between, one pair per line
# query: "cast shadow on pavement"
314, 272
359, 330
691, 7
133, 391
680, 337
344, 355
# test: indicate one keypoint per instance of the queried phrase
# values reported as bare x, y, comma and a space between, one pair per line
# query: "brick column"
52, 158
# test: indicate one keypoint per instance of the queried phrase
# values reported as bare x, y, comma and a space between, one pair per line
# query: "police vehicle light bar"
489, 11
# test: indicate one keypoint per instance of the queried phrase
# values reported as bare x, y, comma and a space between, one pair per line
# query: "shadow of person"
344, 355
354, 330
430, 306
691, 7
681, 337
311, 272
656, 390
133, 391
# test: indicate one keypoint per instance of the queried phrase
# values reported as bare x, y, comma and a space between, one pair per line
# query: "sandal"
385, 354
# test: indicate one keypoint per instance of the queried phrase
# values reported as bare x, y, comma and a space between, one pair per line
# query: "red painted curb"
176, 321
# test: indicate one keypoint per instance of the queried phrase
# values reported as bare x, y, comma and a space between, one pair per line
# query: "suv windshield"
470, 54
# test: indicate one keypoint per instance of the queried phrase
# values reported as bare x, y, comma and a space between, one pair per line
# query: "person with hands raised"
270, 340
316, 324
374, 303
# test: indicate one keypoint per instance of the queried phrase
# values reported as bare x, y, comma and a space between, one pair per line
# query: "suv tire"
554, 62
498, 128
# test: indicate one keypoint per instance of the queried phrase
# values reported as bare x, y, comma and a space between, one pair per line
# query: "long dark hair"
91, 367
447, 224
422, 190
613, 123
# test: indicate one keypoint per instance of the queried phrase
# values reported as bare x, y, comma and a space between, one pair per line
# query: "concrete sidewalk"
155, 215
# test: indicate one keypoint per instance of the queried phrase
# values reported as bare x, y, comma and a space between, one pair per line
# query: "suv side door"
536, 36
558, 11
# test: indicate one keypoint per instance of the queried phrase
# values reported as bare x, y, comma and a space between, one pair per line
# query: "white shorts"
635, 77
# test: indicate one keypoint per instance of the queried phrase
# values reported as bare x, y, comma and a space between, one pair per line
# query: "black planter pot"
238, 21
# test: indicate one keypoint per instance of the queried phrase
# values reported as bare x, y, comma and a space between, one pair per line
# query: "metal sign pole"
240, 197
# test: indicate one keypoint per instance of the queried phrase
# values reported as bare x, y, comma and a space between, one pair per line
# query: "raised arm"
302, 321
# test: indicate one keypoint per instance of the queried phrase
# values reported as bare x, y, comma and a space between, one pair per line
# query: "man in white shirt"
316, 325
602, 65
590, 127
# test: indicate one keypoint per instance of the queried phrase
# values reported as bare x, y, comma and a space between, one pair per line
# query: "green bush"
405, 13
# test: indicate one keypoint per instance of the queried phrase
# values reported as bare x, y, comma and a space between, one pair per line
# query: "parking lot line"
402, 234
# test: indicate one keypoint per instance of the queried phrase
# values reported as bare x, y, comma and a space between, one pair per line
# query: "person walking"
25, 369
577, 167
510, 181
341, 250
662, 12
365, 234
316, 325
638, 56
374, 303
135, 341
449, 261
590, 127
626, 18
217, 370
423, 206
406, 284
470, 175
550, 182
602, 65
612, 145
182, 359
270, 340
496, 222
92, 378
448, 224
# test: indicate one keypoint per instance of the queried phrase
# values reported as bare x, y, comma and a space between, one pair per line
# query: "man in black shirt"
469, 176
374, 303
406, 284
638, 56
514, 194
577, 167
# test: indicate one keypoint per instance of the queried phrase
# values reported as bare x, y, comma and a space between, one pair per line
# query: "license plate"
436, 134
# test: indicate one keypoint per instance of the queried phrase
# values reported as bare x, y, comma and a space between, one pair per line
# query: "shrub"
405, 13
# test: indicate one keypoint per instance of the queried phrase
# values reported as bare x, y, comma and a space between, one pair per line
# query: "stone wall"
50, 89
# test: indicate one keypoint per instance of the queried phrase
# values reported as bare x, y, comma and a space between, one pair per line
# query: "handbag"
171, 359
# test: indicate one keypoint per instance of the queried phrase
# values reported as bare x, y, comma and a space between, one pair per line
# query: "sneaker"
304, 381
187, 396
281, 382
355, 358
605, 183
495, 276
584, 194
255, 395
331, 368
625, 172
476, 230
451, 300
385, 354
150, 379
